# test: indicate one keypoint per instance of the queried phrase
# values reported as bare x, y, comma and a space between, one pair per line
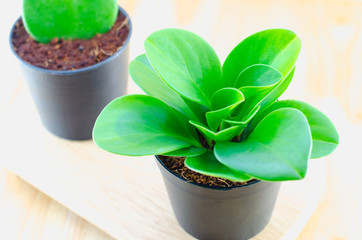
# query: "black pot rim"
89, 68
206, 186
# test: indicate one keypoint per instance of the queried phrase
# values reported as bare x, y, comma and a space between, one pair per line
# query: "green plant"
247, 132
48, 19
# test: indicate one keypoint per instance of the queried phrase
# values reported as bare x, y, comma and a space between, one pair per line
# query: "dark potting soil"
73, 54
176, 165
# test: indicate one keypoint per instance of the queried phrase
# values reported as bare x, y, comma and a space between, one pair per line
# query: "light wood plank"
26, 213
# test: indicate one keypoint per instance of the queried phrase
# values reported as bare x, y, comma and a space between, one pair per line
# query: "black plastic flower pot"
69, 102
220, 213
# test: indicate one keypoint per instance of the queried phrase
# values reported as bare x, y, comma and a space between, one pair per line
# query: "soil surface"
73, 54
176, 165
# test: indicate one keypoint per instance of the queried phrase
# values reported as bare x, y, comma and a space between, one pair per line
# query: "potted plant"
223, 140
74, 57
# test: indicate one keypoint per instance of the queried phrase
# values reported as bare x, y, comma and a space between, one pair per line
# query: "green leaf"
207, 164
245, 121
143, 74
277, 91
138, 125
186, 62
48, 19
278, 48
256, 82
226, 123
220, 136
198, 109
258, 75
225, 98
186, 152
222, 103
324, 134
278, 149
215, 118
270, 98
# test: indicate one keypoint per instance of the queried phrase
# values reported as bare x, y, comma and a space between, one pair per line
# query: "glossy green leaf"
207, 164
278, 48
223, 102
48, 19
138, 125
224, 124
245, 121
256, 82
277, 91
258, 75
269, 96
198, 109
143, 74
324, 134
186, 62
226, 97
220, 136
278, 149
186, 152
227, 123
215, 118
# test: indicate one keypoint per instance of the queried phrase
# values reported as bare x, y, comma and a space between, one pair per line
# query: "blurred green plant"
246, 133
45, 20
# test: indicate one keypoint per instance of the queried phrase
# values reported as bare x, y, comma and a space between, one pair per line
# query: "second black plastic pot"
69, 102
220, 213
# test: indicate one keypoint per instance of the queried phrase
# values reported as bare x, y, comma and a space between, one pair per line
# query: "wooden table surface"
328, 75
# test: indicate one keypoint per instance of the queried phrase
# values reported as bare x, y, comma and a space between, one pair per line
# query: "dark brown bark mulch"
62, 54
